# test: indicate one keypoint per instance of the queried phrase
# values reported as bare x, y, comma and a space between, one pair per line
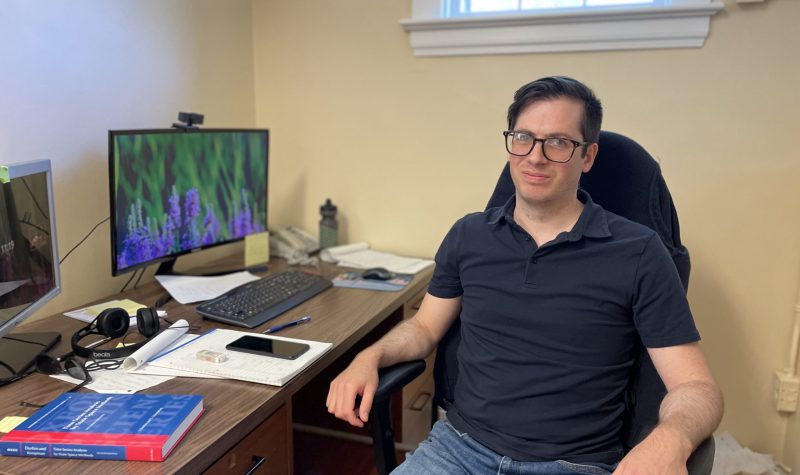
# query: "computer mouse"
377, 273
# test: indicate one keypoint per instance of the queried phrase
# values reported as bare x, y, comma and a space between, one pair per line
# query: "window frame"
681, 24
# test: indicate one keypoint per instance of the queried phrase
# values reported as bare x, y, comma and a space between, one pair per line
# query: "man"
553, 293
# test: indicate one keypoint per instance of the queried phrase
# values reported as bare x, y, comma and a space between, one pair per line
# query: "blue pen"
278, 328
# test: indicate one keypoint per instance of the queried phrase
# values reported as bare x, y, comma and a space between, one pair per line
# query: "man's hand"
660, 453
359, 379
410, 340
690, 412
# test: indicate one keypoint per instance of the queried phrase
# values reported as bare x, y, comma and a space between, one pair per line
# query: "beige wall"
73, 70
791, 448
405, 146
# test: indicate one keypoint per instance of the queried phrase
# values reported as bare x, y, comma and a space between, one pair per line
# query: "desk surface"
233, 408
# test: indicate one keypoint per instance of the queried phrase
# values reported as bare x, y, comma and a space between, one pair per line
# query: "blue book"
105, 427
354, 280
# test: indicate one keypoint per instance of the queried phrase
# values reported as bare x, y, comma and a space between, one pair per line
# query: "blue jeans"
449, 452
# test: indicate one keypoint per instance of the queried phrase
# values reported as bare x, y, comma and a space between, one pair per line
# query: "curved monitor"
29, 275
175, 191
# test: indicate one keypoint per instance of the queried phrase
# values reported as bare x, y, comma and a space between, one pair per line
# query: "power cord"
140, 278
81, 241
129, 281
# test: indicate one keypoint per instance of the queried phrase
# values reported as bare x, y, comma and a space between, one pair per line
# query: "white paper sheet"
188, 289
156, 345
161, 371
117, 381
359, 256
336, 253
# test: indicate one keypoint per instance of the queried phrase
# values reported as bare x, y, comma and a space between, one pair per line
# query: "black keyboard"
254, 303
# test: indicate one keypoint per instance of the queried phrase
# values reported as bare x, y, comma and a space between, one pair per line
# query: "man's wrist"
669, 437
370, 356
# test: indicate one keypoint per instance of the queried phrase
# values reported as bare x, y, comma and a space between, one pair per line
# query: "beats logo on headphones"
113, 323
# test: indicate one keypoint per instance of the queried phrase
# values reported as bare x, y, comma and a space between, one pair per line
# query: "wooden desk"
241, 418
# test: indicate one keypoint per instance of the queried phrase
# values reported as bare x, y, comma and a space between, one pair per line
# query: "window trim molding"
684, 25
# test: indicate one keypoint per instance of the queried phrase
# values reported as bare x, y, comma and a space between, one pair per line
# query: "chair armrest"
393, 378
702, 458
390, 380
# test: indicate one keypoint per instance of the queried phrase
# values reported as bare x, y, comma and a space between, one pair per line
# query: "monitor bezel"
21, 170
115, 271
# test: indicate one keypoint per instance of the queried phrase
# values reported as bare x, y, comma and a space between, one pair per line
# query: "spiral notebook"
237, 365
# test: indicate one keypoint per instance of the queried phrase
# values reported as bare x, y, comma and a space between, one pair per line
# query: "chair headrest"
625, 180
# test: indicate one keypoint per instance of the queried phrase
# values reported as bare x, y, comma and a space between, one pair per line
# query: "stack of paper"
360, 256
236, 365
176, 353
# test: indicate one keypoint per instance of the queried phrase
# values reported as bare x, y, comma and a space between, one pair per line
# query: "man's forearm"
690, 412
407, 341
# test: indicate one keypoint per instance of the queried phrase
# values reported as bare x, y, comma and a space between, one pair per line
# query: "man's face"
540, 182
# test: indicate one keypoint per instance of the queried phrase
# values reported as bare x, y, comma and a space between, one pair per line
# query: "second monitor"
176, 191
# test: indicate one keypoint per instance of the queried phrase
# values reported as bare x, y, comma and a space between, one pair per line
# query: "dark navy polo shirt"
548, 333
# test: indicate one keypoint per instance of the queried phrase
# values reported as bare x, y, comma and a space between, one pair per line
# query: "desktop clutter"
59, 429
115, 423
82, 425
195, 212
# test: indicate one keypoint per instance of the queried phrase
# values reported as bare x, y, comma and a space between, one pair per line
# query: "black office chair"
627, 181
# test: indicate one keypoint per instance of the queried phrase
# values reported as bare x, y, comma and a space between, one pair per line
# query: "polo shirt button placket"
530, 273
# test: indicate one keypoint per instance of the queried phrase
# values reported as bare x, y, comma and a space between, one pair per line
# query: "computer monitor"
29, 275
175, 191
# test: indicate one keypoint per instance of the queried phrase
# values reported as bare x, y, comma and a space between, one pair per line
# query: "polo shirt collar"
592, 222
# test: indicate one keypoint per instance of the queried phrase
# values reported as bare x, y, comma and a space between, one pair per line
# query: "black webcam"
188, 120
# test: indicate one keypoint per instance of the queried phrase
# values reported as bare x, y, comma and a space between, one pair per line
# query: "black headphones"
114, 323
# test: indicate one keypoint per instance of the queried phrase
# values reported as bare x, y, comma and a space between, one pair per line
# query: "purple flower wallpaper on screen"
178, 192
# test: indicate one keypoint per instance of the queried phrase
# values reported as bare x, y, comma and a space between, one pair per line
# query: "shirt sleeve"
660, 310
446, 280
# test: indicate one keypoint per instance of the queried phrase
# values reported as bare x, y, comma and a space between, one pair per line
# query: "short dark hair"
555, 87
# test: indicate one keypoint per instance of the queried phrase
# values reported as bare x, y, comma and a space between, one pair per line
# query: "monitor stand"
18, 351
167, 267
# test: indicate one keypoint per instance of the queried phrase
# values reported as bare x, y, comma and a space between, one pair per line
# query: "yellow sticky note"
129, 305
7, 424
256, 249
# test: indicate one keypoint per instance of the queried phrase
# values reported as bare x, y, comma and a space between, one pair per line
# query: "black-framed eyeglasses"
555, 149
72, 366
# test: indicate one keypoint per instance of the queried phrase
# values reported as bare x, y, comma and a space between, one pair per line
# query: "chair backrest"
627, 181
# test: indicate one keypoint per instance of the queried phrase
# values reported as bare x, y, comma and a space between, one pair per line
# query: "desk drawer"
417, 404
271, 440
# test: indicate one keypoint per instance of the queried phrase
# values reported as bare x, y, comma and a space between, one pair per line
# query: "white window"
473, 27
454, 8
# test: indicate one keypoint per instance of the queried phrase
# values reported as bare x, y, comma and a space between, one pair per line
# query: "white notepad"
238, 365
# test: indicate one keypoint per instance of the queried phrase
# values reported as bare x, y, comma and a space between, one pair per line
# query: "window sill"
675, 26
